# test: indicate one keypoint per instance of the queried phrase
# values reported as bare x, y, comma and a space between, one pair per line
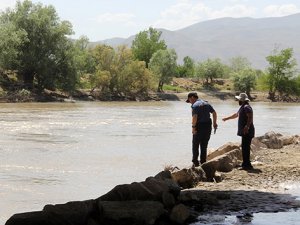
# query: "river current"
58, 152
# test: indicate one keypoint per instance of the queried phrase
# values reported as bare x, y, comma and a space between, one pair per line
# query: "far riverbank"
82, 95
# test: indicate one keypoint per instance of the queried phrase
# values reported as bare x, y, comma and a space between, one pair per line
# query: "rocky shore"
181, 195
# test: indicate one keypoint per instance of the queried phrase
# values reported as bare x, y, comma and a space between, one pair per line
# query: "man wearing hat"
201, 126
245, 127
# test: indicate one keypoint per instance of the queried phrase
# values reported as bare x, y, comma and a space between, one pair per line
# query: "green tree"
43, 51
11, 40
296, 85
245, 81
104, 76
282, 68
84, 61
146, 43
118, 73
163, 65
210, 69
187, 69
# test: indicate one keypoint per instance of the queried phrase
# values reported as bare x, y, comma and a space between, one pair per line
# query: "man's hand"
215, 127
194, 131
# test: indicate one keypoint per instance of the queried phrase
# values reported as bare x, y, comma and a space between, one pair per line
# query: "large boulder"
222, 150
188, 177
71, 213
131, 212
150, 189
74, 213
223, 163
271, 140
289, 139
179, 214
256, 144
32, 218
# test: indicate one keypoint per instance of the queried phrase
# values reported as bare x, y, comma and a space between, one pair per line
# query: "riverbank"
80, 95
220, 96
183, 195
180, 88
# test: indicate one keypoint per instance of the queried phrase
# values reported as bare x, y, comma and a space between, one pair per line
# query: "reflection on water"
58, 152
280, 218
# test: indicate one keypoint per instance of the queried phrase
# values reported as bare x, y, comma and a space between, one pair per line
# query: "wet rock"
32, 218
179, 214
133, 212
163, 175
168, 200
75, 213
150, 189
71, 213
190, 196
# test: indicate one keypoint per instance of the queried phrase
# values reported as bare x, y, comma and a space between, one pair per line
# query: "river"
59, 152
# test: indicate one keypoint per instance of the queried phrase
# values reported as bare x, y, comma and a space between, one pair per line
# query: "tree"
245, 81
84, 61
187, 69
210, 69
43, 52
163, 65
146, 43
281, 70
118, 73
104, 76
239, 64
11, 40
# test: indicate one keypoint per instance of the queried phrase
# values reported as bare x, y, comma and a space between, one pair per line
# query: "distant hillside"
229, 37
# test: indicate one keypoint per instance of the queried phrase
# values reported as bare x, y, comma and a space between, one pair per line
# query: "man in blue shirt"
201, 126
245, 127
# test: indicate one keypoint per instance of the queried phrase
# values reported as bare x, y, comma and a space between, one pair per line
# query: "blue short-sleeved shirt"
203, 110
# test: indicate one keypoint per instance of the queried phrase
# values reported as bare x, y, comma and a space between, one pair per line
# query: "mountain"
230, 37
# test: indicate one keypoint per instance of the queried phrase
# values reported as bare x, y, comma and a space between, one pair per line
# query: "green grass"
168, 87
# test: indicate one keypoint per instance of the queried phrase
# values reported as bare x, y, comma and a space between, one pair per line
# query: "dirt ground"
257, 190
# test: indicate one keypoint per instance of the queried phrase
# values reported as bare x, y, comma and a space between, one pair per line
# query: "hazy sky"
102, 19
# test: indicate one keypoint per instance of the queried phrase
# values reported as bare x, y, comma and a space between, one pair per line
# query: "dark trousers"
246, 143
201, 139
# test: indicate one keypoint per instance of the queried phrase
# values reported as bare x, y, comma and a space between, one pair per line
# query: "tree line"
36, 46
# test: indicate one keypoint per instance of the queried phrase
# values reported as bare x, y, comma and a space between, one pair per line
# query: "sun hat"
242, 97
191, 94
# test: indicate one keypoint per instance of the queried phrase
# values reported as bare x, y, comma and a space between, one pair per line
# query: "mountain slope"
230, 37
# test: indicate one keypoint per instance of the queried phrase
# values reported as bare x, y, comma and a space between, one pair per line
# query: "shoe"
196, 164
247, 167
